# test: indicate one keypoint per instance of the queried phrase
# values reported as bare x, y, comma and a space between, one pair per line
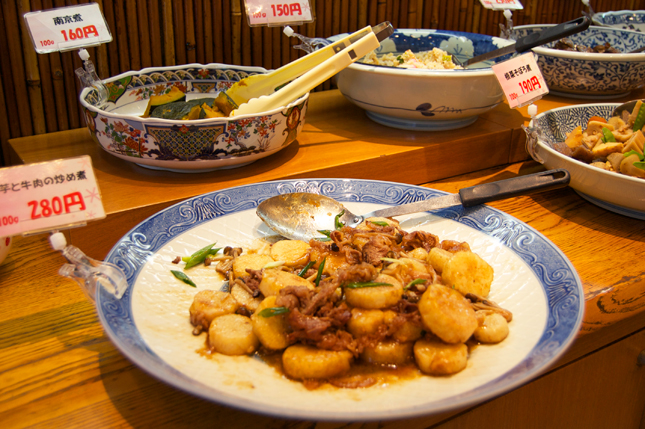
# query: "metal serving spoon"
301, 215
629, 106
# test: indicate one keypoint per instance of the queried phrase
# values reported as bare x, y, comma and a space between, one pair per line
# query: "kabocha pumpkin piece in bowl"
166, 118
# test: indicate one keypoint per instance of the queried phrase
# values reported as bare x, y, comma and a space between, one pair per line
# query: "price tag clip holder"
533, 134
89, 79
89, 273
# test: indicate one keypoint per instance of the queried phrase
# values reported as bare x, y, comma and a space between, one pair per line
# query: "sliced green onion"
640, 118
607, 135
415, 282
379, 222
320, 271
273, 311
337, 223
210, 252
199, 256
400, 59
183, 277
358, 285
639, 164
274, 264
306, 268
447, 58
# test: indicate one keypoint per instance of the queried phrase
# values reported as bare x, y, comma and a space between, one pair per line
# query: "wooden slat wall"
38, 93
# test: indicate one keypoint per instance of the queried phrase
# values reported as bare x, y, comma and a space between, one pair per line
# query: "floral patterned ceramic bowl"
625, 19
593, 76
422, 99
186, 145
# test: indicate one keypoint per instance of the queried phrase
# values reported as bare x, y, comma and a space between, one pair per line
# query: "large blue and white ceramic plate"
150, 324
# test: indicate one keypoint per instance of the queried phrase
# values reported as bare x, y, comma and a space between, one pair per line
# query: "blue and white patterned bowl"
187, 146
612, 191
585, 75
421, 99
624, 19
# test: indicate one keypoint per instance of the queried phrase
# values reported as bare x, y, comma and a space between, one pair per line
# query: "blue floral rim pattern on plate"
558, 278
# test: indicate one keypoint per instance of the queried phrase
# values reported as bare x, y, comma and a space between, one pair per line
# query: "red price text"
286, 9
530, 85
79, 33
57, 205
8, 220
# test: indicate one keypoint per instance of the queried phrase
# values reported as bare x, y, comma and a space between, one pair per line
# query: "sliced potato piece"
273, 280
447, 314
252, 261
306, 362
388, 353
291, 252
438, 258
232, 335
492, 327
408, 332
209, 304
364, 322
419, 253
271, 331
244, 298
468, 273
437, 358
376, 297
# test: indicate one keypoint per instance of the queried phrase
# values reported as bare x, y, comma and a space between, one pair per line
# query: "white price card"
521, 80
49, 195
67, 28
502, 4
274, 13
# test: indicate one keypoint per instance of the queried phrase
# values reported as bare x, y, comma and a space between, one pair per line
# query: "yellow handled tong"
256, 93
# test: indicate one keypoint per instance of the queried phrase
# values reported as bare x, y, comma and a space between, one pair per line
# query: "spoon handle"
522, 185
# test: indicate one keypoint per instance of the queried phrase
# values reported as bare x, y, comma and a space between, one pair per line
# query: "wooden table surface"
58, 368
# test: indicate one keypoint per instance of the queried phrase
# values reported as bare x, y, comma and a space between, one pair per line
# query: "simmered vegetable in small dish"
614, 144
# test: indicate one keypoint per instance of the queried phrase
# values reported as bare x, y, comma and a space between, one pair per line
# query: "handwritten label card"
67, 28
521, 80
49, 195
272, 13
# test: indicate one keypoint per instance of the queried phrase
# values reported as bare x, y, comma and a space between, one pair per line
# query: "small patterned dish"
593, 76
421, 99
624, 19
183, 145
612, 191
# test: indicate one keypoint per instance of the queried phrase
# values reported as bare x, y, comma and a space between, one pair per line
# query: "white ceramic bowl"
421, 99
593, 76
613, 191
624, 19
187, 146
5, 247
